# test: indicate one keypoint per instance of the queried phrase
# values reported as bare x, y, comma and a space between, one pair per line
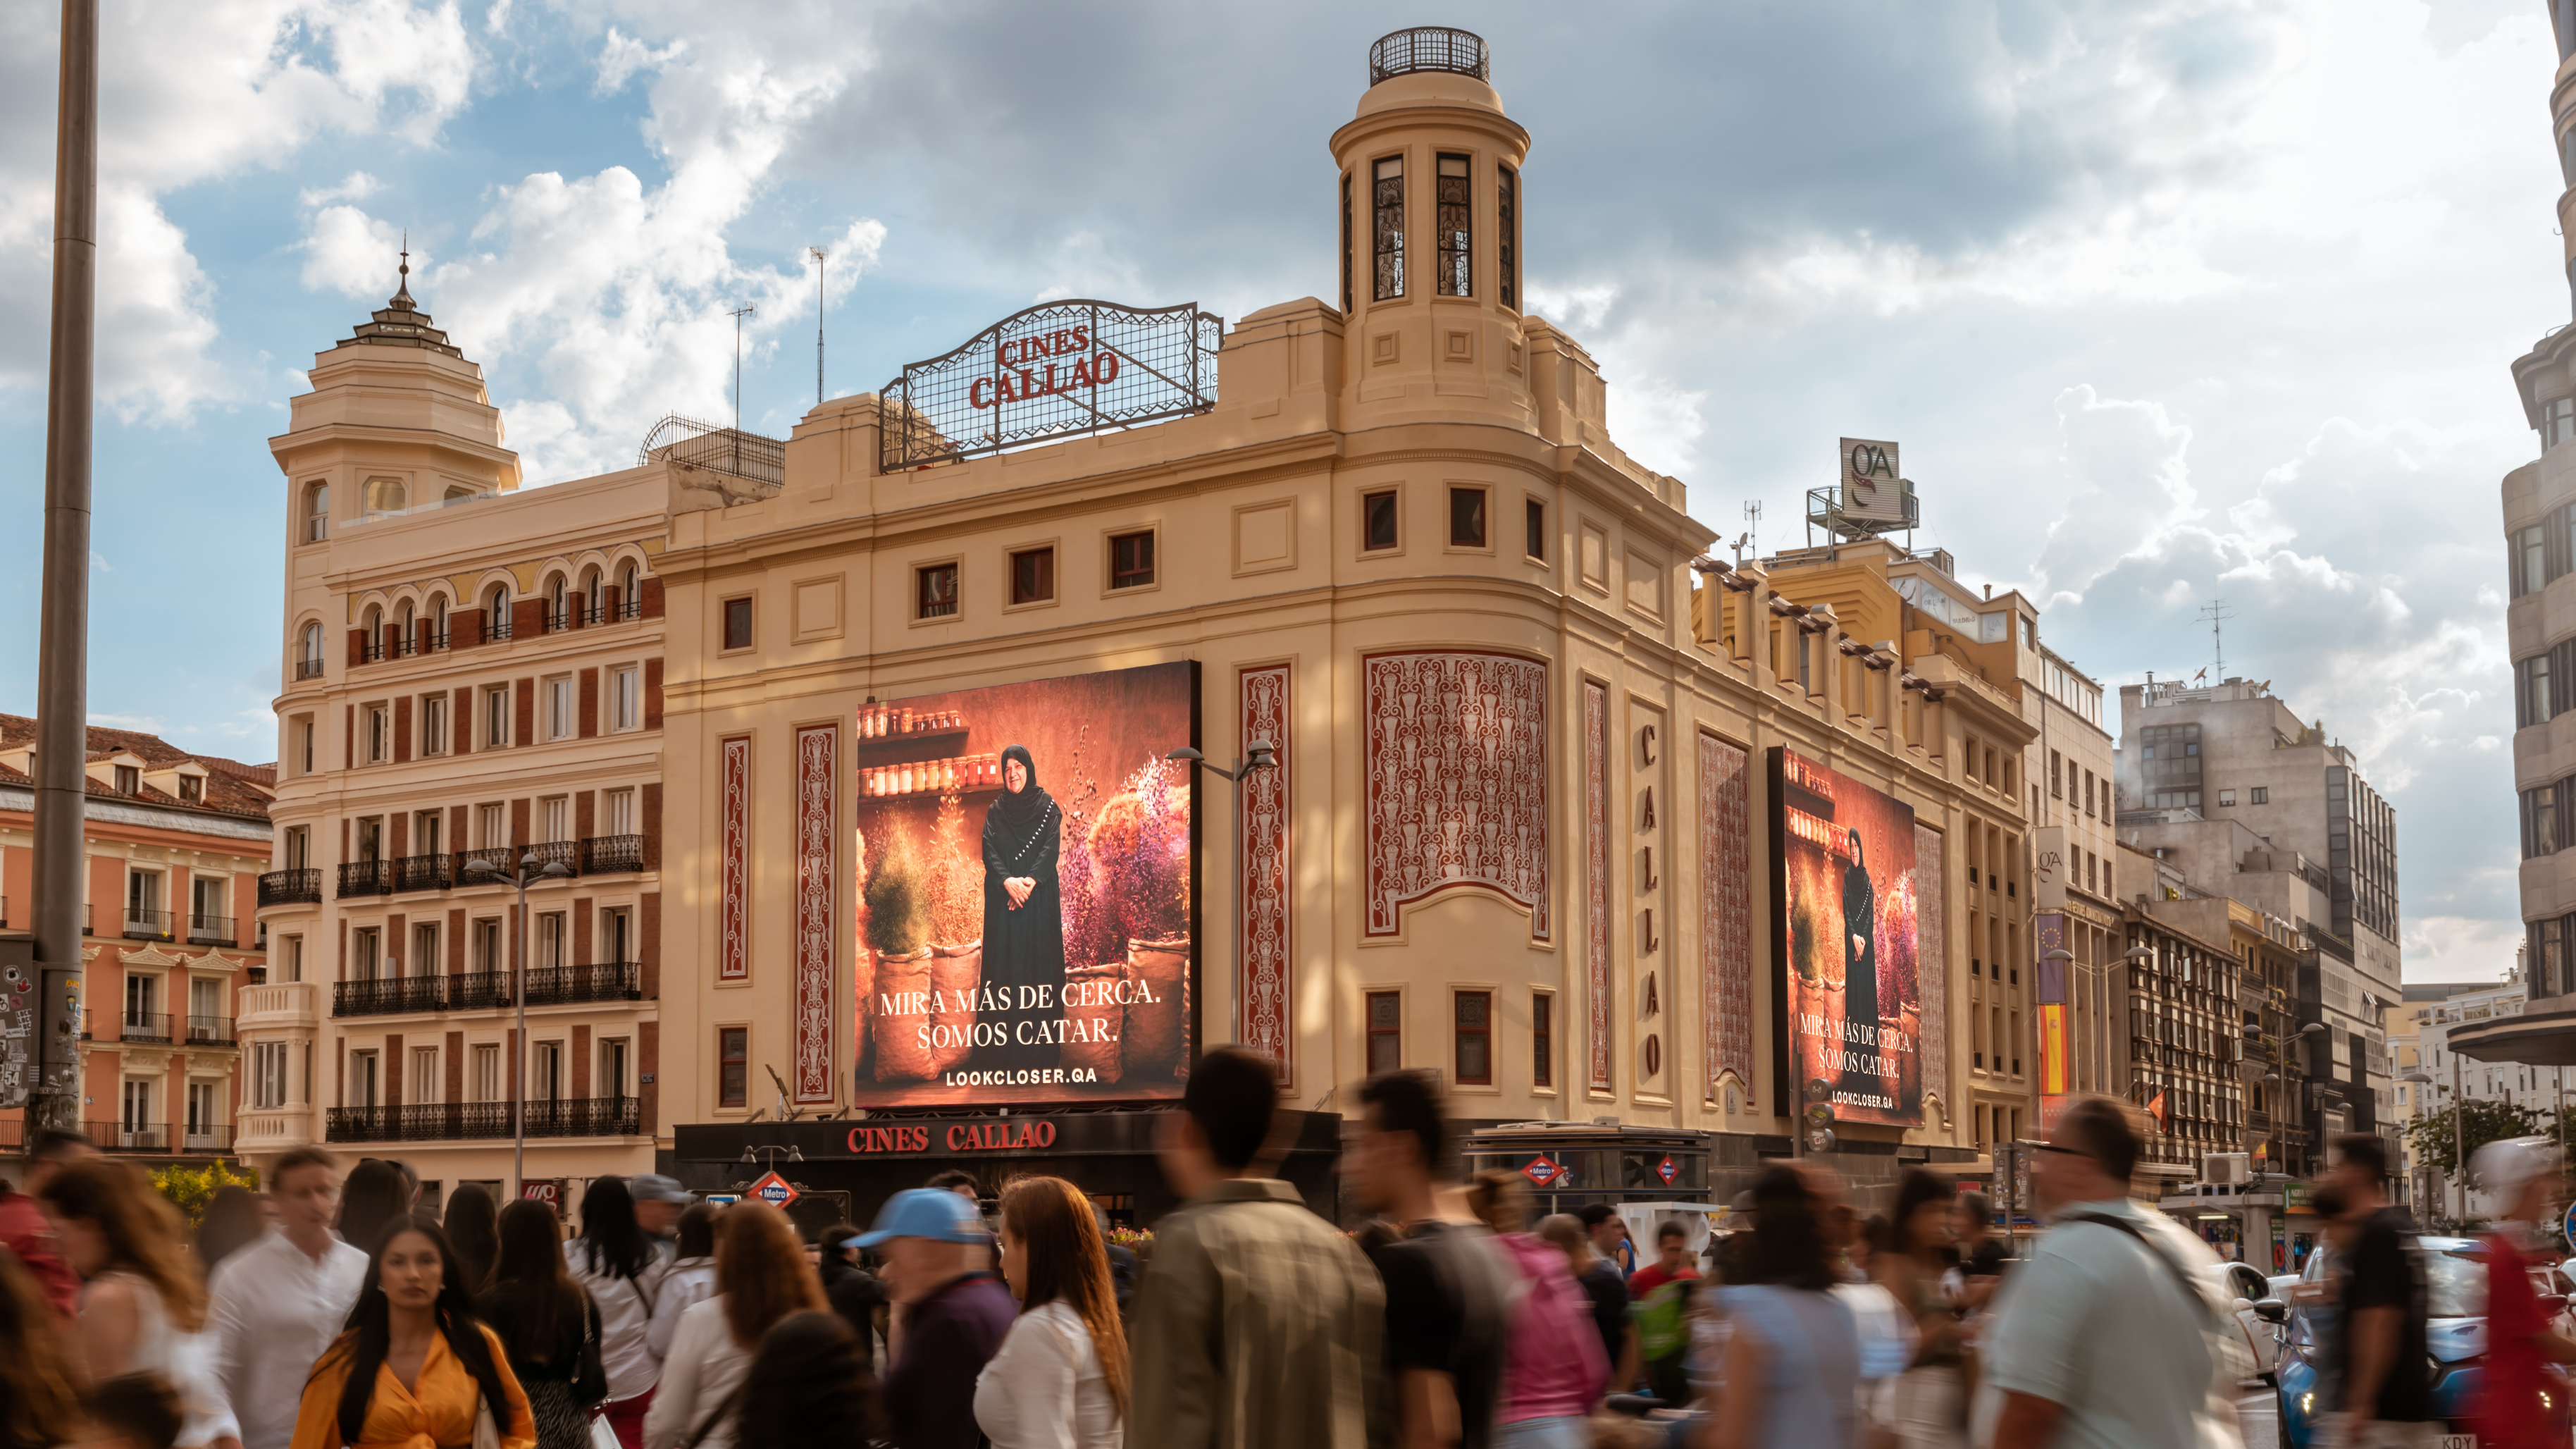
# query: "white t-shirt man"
271, 1311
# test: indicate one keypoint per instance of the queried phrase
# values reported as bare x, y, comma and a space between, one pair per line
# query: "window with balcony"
134, 1122
202, 1125
557, 604
308, 652
616, 934
424, 1075
554, 818
617, 812
496, 613
733, 1066
366, 953
484, 947
630, 599
1131, 559
550, 941
546, 1072
491, 826
1385, 1017
612, 1079
424, 948
268, 1075
365, 1090
485, 1079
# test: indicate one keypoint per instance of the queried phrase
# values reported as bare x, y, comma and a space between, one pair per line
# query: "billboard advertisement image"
1026, 919
1851, 985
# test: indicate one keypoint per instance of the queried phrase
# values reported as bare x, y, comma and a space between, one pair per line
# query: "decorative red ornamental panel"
1930, 912
1596, 874
1265, 983
733, 887
818, 750
1726, 911
1457, 780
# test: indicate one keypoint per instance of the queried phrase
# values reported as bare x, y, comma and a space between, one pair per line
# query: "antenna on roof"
1752, 528
818, 254
2217, 613
402, 287
737, 316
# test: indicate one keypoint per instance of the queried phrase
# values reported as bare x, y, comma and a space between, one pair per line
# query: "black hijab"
1026, 806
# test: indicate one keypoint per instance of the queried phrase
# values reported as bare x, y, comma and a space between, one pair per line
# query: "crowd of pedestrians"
329, 1312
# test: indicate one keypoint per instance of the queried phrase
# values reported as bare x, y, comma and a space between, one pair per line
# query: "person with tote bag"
413, 1365
761, 1277
549, 1324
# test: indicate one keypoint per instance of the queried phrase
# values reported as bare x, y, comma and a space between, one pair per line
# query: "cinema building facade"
1519, 819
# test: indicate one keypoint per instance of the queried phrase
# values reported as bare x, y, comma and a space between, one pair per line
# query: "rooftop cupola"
400, 322
1431, 286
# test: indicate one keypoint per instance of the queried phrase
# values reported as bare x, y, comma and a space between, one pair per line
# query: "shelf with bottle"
892, 735
954, 775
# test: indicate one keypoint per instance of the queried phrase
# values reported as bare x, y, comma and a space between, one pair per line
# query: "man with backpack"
2387, 1399
2106, 1336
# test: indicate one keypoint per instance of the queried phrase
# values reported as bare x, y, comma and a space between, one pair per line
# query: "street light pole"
528, 874
1264, 756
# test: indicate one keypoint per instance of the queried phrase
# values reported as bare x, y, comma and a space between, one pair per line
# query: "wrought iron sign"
1056, 370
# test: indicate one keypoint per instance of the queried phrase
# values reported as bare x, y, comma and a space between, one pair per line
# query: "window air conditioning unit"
2225, 1167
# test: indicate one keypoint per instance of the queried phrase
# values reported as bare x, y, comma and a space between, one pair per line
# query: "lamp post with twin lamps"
530, 872
1264, 756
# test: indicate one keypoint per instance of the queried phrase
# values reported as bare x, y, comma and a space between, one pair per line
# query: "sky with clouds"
2167, 300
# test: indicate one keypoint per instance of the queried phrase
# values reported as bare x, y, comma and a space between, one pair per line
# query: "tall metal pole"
62, 648
2459, 1135
737, 367
819, 257
519, 998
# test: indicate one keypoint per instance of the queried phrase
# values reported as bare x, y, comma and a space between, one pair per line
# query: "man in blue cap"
955, 1314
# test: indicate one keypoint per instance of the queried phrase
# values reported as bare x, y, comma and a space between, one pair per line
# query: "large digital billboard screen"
1026, 910
1850, 981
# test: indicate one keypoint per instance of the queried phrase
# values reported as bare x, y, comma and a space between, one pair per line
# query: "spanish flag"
2156, 1109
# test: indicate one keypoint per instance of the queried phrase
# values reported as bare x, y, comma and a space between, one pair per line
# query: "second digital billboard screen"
1851, 983
1025, 902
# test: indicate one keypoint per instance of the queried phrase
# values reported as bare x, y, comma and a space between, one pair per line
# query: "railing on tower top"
1428, 47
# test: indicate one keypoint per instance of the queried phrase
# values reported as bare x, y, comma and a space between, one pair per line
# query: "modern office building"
172, 946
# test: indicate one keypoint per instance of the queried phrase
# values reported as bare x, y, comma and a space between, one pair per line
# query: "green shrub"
189, 1189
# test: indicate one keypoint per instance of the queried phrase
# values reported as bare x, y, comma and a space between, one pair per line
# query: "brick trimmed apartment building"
176, 842
471, 673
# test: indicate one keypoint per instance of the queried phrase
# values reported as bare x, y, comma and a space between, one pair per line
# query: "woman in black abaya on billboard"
1023, 922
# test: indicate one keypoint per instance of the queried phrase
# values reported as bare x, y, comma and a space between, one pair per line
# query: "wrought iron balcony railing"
366, 877
478, 991
206, 930
501, 856
467, 1121
210, 1030
301, 886
605, 981
308, 669
385, 996
144, 1026
603, 853
144, 924
566, 853
424, 872
116, 1136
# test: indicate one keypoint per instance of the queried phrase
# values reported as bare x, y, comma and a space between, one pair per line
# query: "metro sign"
1667, 1171
773, 1190
1541, 1172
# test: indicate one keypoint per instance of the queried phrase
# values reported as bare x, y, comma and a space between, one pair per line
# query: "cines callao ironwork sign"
1056, 370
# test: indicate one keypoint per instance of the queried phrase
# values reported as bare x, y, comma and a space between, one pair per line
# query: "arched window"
629, 603
406, 638
387, 495
317, 512
555, 603
373, 623
591, 613
438, 621
308, 660
496, 613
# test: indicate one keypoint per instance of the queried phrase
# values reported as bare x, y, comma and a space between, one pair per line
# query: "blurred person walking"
1792, 1361
473, 1227
689, 1281
234, 1220
761, 1278
1983, 1257
1553, 1367
807, 1388
1059, 1380
414, 1368
1659, 1304
24, 1229
377, 1195
143, 1305
548, 1327
659, 1202
852, 1291
1605, 1293
39, 1406
2104, 1336
2507, 1410
1927, 1407
1258, 1325
274, 1306
2385, 1310
1447, 1291
955, 1315
617, 1264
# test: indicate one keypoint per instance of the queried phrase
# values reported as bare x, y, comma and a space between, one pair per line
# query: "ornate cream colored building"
1399, 543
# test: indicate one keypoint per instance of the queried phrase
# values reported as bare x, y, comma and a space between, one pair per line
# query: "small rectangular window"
733, 1066
1534, 522
1377, 520
1472, 1016
737, 623
934, 592
1454, 228
559, 708
1131, 560
496, 719
1385, 1031
487, 1073
1542, 1039
129, 780
380, 734
2259, 795
1467, 517
625, 698
433, 724
1386, 210
1033, 576
2226, 797
2530, 554
1507, 239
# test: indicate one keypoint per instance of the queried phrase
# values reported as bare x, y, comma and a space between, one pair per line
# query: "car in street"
2246, 1291
2455, 1340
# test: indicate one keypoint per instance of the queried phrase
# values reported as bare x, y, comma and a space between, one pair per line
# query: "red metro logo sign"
1057, 370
